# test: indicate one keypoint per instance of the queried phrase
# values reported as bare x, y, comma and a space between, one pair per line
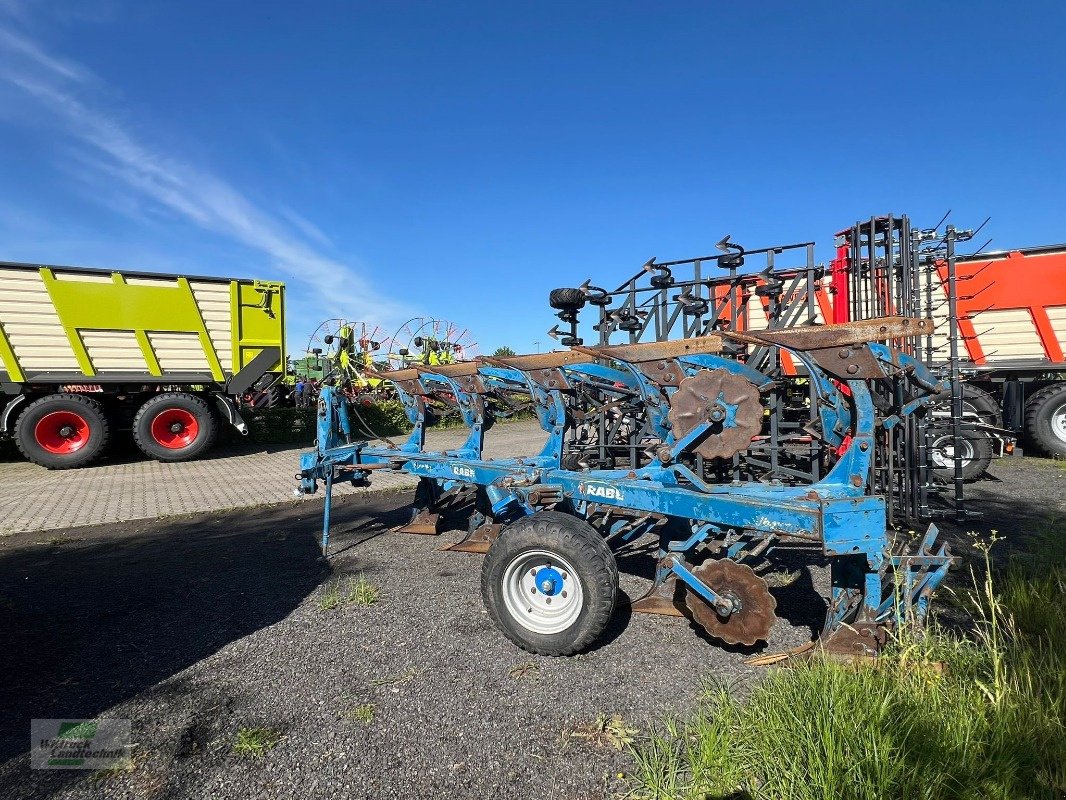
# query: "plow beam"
841, 349
655, 351
657, 361
544, 369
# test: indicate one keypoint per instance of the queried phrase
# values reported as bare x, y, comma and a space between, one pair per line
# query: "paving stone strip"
36, 499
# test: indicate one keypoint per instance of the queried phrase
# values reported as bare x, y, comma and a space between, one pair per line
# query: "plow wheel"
549, 583
754, 617
728, 402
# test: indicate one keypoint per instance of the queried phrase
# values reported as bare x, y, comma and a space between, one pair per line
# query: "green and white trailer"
84, 352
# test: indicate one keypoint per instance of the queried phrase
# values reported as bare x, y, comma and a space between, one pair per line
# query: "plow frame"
836, 515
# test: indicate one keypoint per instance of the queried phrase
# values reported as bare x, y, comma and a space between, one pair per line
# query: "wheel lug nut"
564, 592
533, 572
548, 600
533, 589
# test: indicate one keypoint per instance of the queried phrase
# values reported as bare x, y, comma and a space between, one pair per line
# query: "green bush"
286, 425
939, 716
370, 419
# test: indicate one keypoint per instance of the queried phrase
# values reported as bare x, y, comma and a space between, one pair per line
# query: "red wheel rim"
62, 432
175, 428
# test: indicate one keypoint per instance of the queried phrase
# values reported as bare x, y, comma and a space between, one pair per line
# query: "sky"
459, 160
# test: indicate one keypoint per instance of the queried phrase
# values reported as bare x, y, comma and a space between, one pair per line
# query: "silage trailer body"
84, 352
1010, 312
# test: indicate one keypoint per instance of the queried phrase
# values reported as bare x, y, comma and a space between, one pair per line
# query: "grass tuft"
331, 597
359, 592
362, 592
123, 766
939, 715
255, 742
607, 731
527, 669
364, 712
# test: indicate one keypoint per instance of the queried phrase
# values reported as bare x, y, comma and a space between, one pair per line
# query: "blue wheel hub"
549, 581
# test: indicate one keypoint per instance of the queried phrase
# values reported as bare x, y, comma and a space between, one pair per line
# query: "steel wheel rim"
943, 452
534, 606
62, 432
175, 428
1058, 422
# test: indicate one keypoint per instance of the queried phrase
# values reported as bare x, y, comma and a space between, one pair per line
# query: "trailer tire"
174, 426
1045, 419
976, 400
564, 560
62, 431
976, 454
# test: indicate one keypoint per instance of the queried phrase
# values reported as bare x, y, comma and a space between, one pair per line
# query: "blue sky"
460, 159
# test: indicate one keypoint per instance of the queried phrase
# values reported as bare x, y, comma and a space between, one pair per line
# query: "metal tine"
978, 229
971, 277
975, 294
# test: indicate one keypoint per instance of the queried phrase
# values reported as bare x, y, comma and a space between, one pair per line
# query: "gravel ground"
195, 628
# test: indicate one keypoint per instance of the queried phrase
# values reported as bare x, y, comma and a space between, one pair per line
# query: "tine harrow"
549, 524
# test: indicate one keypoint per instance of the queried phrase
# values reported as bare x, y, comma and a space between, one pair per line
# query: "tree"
503, 352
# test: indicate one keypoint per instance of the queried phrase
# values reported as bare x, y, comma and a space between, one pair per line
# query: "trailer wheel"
549, 583
174, 426
976, 401
1045, 419
976, 449
62, 431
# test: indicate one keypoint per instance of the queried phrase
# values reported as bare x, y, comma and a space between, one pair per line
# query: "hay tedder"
698, 462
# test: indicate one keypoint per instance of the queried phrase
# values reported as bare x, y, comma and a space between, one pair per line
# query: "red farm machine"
998, 336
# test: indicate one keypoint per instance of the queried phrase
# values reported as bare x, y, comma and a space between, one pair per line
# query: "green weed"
331, 597
364, 712
362, 592
358, 592
607, 731
255, 742
940, 715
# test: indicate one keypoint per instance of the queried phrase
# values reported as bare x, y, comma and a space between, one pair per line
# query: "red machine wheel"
174, 426
62, 431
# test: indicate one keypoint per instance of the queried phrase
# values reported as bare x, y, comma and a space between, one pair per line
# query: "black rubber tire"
976, 400
197, 406
88, 409
1041, 413
584, 549
566, 299
974, 467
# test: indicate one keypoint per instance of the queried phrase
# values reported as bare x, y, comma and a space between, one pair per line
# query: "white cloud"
20, 45
291, 242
